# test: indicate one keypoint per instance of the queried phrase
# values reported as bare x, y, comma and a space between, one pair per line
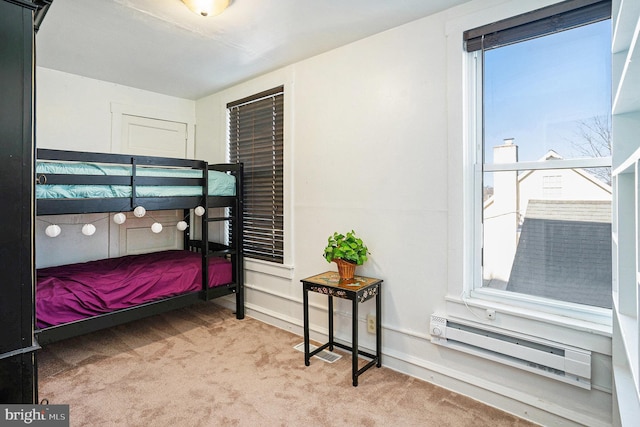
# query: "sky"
537, 91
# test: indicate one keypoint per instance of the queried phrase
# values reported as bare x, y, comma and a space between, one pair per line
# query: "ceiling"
161, 46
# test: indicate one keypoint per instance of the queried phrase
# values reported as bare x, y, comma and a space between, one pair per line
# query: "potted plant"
347, 251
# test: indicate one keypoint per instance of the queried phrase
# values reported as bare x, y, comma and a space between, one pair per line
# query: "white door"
146, 136
153, 137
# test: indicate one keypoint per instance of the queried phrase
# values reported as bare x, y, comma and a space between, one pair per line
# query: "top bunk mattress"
219, 183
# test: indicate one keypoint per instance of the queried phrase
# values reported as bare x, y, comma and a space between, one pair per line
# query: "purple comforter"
76, 291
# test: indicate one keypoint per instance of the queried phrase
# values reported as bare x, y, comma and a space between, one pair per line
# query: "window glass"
546, 211
550, 93
547, 233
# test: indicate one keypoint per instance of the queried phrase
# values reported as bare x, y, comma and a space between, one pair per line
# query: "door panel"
135, 235
153, 137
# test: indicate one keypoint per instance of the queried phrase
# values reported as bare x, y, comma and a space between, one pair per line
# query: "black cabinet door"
17, 355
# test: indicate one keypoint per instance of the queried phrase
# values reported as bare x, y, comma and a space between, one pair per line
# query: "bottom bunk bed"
79, 298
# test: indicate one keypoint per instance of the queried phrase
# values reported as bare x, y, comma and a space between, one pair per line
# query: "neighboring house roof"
552, 259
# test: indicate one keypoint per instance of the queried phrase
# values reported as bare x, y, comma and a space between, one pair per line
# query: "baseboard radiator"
563, 363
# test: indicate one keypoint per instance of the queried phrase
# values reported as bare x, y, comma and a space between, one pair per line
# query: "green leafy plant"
346, 247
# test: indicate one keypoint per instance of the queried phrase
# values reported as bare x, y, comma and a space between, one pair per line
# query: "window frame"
472, 292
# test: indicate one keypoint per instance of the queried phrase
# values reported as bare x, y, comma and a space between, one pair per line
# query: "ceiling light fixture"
207, 7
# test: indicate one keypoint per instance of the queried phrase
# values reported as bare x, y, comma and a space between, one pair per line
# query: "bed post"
204, 232
238, 241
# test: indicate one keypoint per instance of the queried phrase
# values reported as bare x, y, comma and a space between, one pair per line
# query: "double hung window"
542, 150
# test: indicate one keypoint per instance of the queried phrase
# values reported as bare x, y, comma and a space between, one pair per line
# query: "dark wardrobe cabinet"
18, 373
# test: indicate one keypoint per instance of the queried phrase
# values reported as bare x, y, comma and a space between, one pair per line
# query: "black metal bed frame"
120, 204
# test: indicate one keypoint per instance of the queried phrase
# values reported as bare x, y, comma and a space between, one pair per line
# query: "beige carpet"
203, 367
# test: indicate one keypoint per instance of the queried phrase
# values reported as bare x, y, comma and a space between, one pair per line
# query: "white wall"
374, 134
77, 113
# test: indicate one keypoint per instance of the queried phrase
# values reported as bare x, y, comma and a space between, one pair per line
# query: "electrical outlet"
371, 323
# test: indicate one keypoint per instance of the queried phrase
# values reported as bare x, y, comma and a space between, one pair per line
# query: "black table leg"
354, 345
378, 330
305, 304
330, 323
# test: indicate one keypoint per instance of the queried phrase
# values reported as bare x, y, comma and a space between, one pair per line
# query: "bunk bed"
79, 298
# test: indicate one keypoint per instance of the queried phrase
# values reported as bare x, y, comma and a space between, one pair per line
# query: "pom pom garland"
182, 225
139, 211
156, 227
199, 211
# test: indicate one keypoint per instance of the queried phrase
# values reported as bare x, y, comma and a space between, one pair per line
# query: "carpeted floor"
202, 367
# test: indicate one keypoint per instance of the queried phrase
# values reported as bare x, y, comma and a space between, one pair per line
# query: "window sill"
544, 307
580, 333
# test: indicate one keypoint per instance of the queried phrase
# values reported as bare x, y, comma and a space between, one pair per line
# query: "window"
551, 186
256, 139
544, 151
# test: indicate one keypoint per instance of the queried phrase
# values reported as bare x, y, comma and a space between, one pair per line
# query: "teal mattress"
219, 183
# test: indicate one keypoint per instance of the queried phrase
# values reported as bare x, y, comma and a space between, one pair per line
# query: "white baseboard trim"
490, 393
272, 318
